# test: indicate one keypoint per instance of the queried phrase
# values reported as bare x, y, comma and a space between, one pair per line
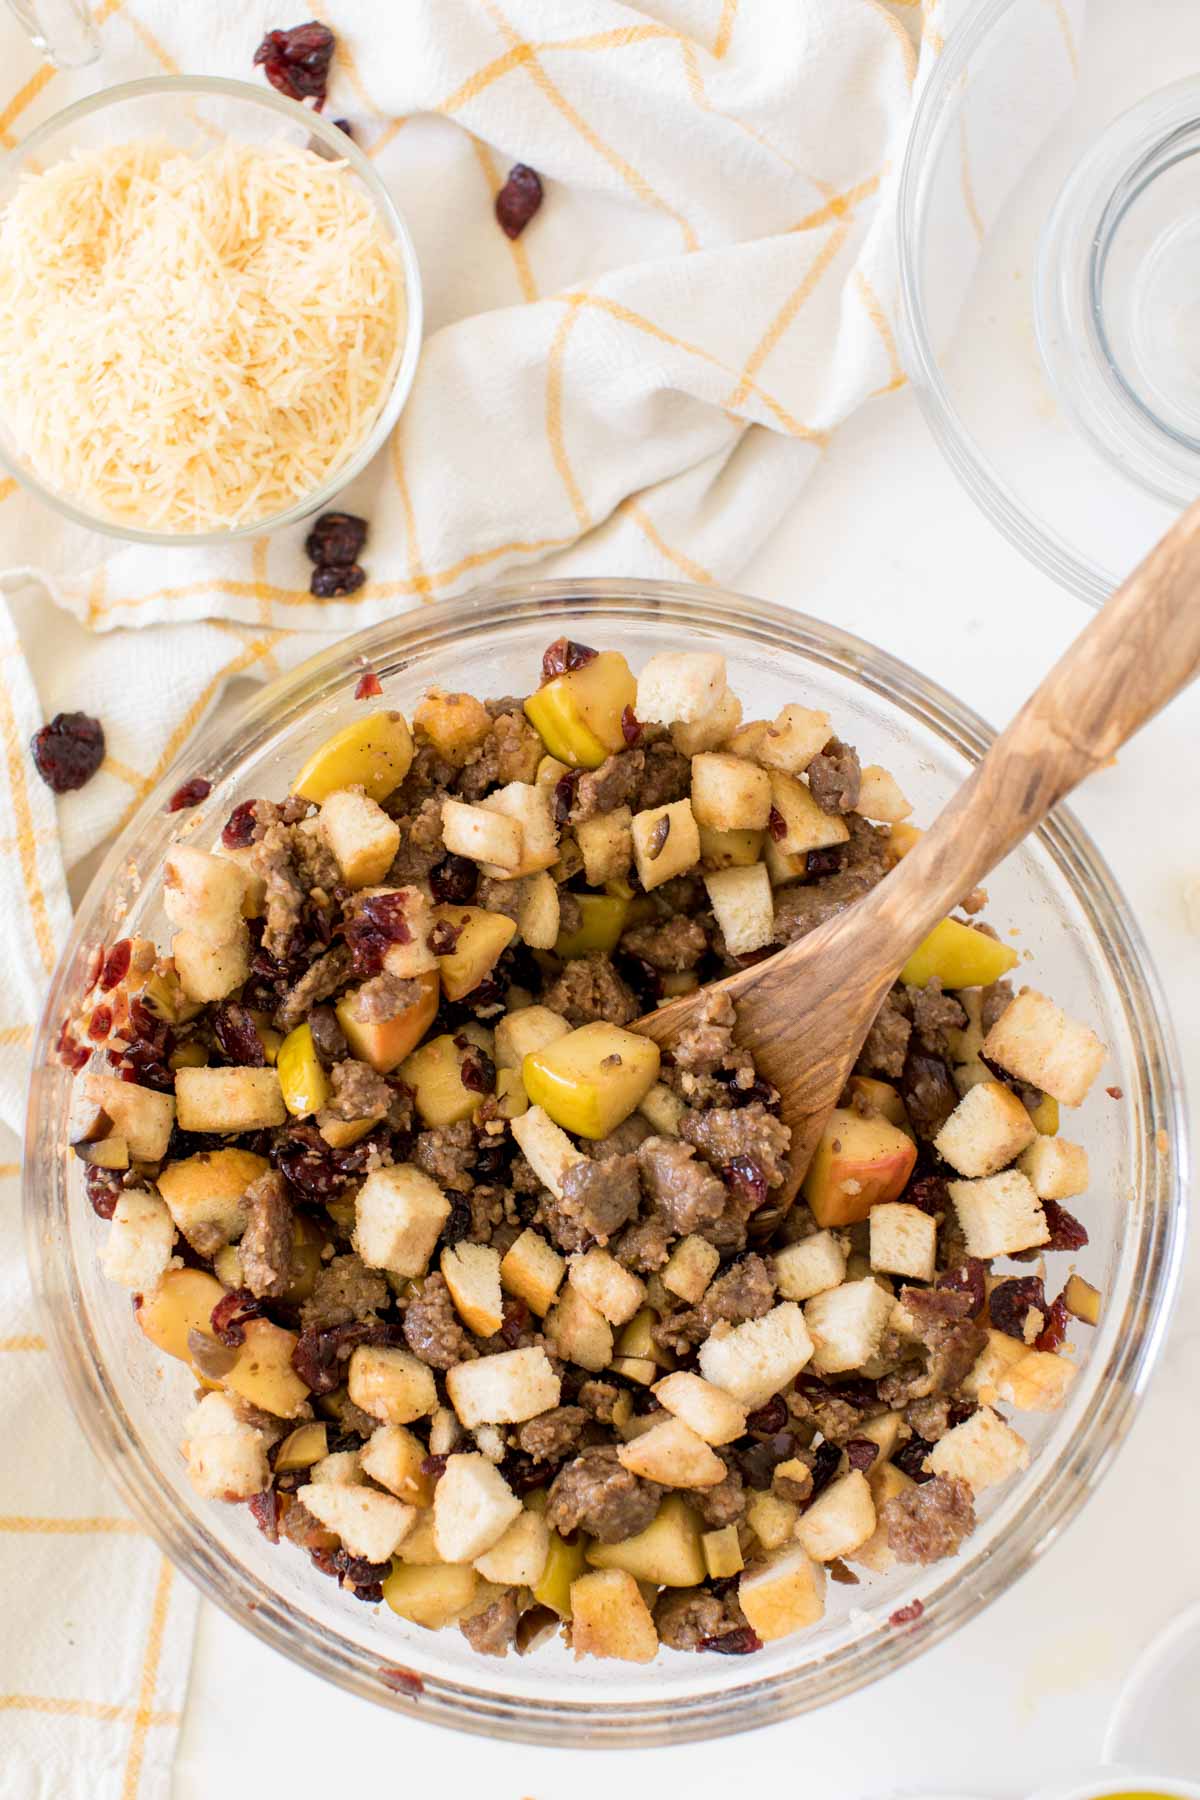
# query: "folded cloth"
639, 384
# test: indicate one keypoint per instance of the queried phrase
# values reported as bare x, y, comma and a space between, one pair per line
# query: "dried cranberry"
375, 924
237, 1036
907, 1615
453, 881
1115, 1093
103, 1189
631, 729
564, 656
518, 199
336, 538
231, 1314
823, 862
100, 1023
523, 1475
116, 965
930, 1193
776, 825
825, 1464
759, 1462
190, 794
402, 1681
768, 1419
72, 1054
741, 1642
861, 1452
68, 751
514, 1322
264, 1510
1066, 1231
322, 1351
477, 1073
296, 62
361, 1572
369, 686
968, 1278
1055, 1330
332, 579
747, 1180
443, 937
314, 1168
1011, 1302
239, 826
434, 1467
564, 796
910, 1458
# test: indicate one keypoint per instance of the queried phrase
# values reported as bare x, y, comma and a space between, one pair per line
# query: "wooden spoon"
806, 1011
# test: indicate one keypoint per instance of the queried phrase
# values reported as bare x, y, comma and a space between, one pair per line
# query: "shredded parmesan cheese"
189, 343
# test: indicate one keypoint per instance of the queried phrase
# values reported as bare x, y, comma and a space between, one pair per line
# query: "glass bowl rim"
244, 93
1054, 1493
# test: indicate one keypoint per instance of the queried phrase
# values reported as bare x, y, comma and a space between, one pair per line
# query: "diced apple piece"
360, 835
885, 1481
434, 1073
987, 1129
603, 919
533, 1270
982, 1450
390, 1384
1037, 1042
263, 1373
481, 835
103, 1153
903, 1241
606, 845
729, 794
430, 1596
1082, 1300
641, 1369
839, 1520
880, 797
1038, 1382
664, 1110
226, 1457
883, 1098
369, 1524
611, 1289
707, 732
667, 1552
182, 1302
472, 1274
790, 744
482, 939
609, 1618
729, 849
504, 1389
142, 1116
547, 1149
393, 1457
473, 1506
999, 1354
959, 957
782, 868
887, 1430
210, 971
666, 843
578, 1332
858, 1163
637, 1339
578, 715
399, 1215
847, 1324
745, 912
301, 1448
680, 685
809, 1267
565, 1563
722, 1553
1000, 1214
672, 1454
374, 753
519, 1034
757, 1359
691, 1266
455, 724
203, 893
538, 911
712, 1414
205, 1194
228, 1100
1045, 1115
139, 1242
593, 1078
518, 1558
786, 1596
384, 1043
1056, 1169
302, 1078
805, 826
531, 809
772, 1520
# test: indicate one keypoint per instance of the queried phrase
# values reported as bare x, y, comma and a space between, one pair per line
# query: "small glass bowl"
1055, 892
196, 113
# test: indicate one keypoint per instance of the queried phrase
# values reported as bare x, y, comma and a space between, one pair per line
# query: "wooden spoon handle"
1137, 653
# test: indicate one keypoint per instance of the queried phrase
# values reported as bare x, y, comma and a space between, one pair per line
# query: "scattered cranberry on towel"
518, 199
296, 62
68, 751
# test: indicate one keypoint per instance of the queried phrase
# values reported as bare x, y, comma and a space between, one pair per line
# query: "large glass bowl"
1055, 893
196, 113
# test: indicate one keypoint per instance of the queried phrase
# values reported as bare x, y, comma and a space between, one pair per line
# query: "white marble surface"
1023, 1694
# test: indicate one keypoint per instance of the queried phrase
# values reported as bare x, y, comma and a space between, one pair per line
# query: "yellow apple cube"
374, 753
592, 1079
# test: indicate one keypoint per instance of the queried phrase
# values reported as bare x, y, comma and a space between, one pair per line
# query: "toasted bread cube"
810, 1267
609, 1618
796, 736
505, 1389
606, 845
690, 1267
518, 1558
341, 1468
880, 797
228, 1100
391, 1384
140, 1240
531, 808
142, 1116
999, 1354
547, 1149
666, 843
578, 1332
680, 686
1000, 1214
747, 740
392, 1456
674, 1455
805, 826
787, 1595
538, 911
886, 1481
1038, 1382
445, 1431
518, 1034
1082, 1300
1056, 1169
715, 1416
711, 730
730, 794
840, 1520
226, 1457
772, 1519
612, 1290
472, 1274
722, 1553
473, 1506
745, 911
361, 837
455, 724
205, 1194
203, 893
987, 1129
254, 902
1036, 1041
482, 835
399, 1213
533, 1270
982, 1450
664, 1110
491, 1442
846, 1324
757, 1359
210, 971
903, 1240
888, 1430
369, 1524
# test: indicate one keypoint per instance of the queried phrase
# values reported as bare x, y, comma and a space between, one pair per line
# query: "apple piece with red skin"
384, 1043
857, 1164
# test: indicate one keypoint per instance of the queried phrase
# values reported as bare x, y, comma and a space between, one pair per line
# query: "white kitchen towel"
640, 384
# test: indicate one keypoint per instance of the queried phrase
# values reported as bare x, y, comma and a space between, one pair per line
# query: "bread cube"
664, 1109
455, 724
671, 1453
612, 1290
203, 893
1055, 1168
547, 1149
205, 1194
805, 826
1036, 1041
532, 1269
888, 1430
518, 1558
606, 845
445, 1431
787, 1595
360, 835
666, 843
744, 908
1038, 1382
141, 1237
690, 1267
796, 736
531, 808
885, 1481
747, 739
473, 1506
343, 1468
392, 1456
482, 834
782, 866
715, 1416
210, 971
772, 1519
370, 1524
903, 1240
228, 1100
846, 1324
987, 1129
880, 797
983, 1450
810, 1267
578, 1332
757, 1359
680, 686
504, 1389
711, 730
1000, 1214
142, 1116
399, 1215
999, 1354
472, 1274
391, 1384
730, 794
610, 1618
840, 1520
226, 1457
538, 911
491, 1442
